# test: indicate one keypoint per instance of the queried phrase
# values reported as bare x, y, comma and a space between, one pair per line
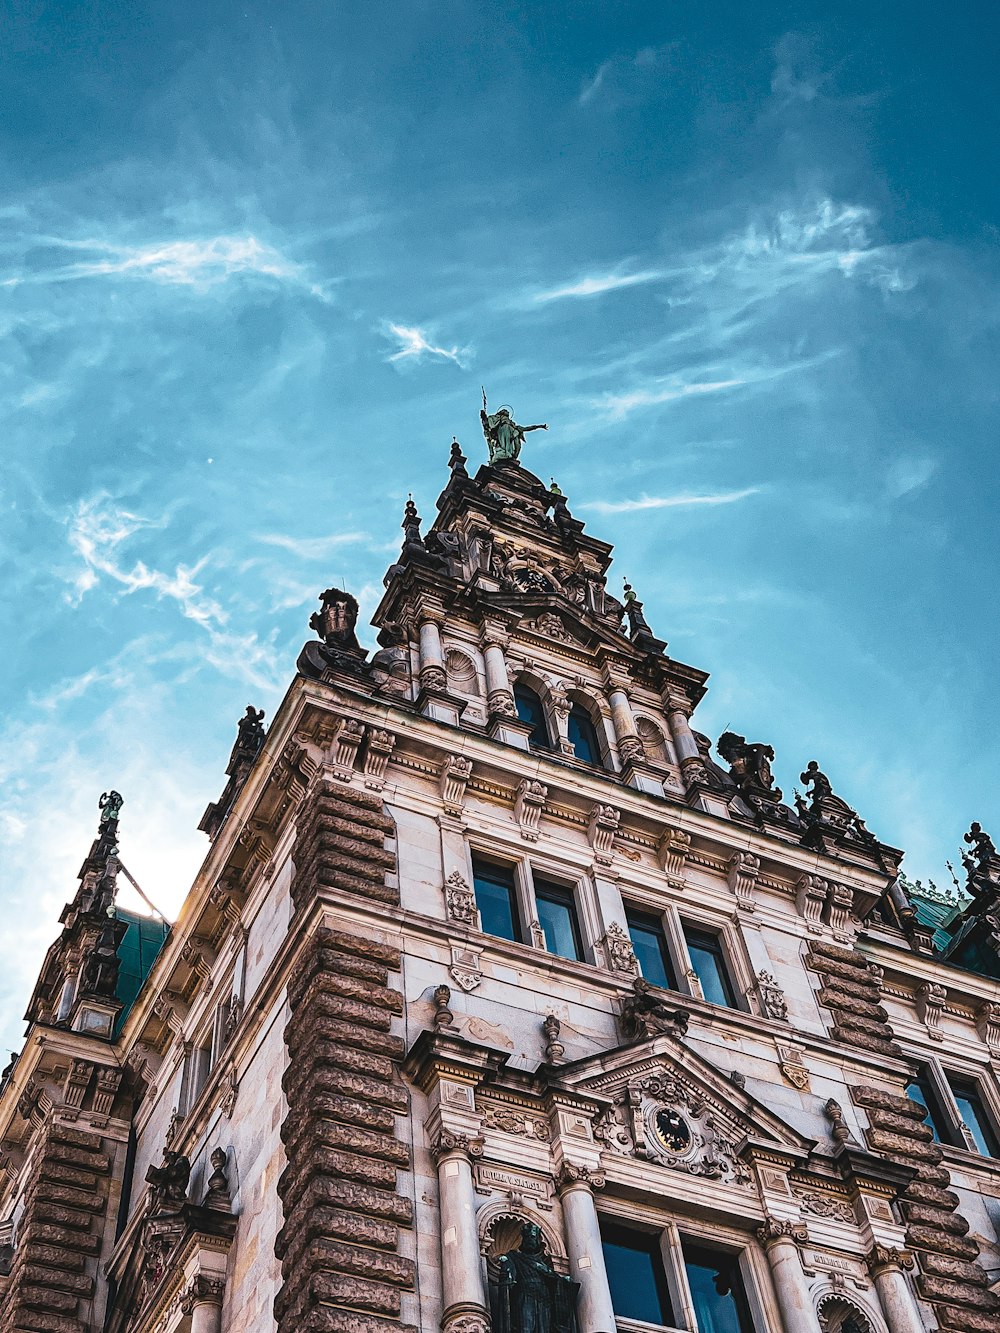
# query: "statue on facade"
749, 766
978, 861
169, 1183
504, 437
250, 730
818, 781
99, 974
649, 1012
335, 620
110, 806
528, 1295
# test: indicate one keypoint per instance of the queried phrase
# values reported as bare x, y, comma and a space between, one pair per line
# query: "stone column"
203, 1301
688, 754
781, 1240
594, 1311
463, 1292
629, 744
498, 691
898, 1305
432, 672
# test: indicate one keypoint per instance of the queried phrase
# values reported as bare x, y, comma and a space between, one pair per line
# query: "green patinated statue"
528, 1295
503, 435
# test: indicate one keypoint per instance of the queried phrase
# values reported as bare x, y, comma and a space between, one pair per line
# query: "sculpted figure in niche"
504, 436
528, 1295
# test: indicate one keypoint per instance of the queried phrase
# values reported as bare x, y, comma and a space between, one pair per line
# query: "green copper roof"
138, 951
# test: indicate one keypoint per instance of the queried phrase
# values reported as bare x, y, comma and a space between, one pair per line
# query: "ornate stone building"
497, 995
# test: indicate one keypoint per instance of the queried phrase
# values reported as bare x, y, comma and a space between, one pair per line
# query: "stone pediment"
672, 1107
555, 617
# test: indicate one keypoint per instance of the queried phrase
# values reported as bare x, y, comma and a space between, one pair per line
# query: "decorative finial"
457, 460
553, 488
443, 1016
554, 1048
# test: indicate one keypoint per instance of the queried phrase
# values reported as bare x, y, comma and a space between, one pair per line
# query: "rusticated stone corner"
850, 991
340, 845
340, 1265
951, 1280
59, 1234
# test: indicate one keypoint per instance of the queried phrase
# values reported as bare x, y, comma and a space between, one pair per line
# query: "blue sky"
256, 261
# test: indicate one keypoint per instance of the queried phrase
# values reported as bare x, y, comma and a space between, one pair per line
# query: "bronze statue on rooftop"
504, 437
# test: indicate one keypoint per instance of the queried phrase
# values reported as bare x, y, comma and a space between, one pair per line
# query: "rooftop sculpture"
504, 437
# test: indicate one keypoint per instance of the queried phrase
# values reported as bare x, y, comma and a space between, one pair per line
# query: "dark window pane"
650, 945
720, 1301
496, 899
635, 1275
975, 1116
529, 709
920, 1091
557, 917
709, 963
581, 732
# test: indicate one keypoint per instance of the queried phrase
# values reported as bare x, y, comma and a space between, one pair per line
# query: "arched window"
583, 734
530, 710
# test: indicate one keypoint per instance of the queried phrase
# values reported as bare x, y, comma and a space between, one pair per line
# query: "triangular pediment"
538, 614
668, 1103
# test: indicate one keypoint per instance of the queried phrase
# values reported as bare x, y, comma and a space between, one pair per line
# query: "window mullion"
673, 1265
530, 927
687, 978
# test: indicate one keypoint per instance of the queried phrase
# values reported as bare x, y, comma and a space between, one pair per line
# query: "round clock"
672, 1131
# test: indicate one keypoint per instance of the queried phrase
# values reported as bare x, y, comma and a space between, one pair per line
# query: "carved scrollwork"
449, 1142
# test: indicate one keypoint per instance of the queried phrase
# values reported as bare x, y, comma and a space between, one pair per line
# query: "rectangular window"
975, 1116
717, 1291
709, 963
556, 910
496, 898
635, 1274
650, 945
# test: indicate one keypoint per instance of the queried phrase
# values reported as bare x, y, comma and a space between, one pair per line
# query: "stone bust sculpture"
529, 1296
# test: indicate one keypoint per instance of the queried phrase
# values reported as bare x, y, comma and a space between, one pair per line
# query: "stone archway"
499, 1226
838, 1314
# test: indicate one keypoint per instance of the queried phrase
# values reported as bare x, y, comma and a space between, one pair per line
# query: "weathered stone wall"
341, 1269
59, 1236
950, 1279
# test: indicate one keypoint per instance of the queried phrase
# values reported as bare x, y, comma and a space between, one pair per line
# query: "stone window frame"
556, 872
938, 1075
734, 955
673, 1229
597, 709
205, 1049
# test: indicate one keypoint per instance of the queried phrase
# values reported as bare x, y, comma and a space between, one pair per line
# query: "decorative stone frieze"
601, 830
988, 1025
825, 1205
456, 770
671, 851
810, 900
528, 806
460, 899
617, 949
770, 996
743, 871
345, 748
930, 1001
378, 752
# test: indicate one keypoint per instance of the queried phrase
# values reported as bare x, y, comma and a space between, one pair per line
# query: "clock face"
672, 1131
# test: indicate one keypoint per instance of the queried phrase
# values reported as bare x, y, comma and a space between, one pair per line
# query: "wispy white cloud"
619, 405
414, 342
98, 528
591, 87
314, 548
669, 501
203, 262
596, 285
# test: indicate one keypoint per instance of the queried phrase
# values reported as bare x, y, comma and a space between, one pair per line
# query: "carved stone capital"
203, 1289
884, 1258
571, 1174
446, 1143
464, 1318
774, 1230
